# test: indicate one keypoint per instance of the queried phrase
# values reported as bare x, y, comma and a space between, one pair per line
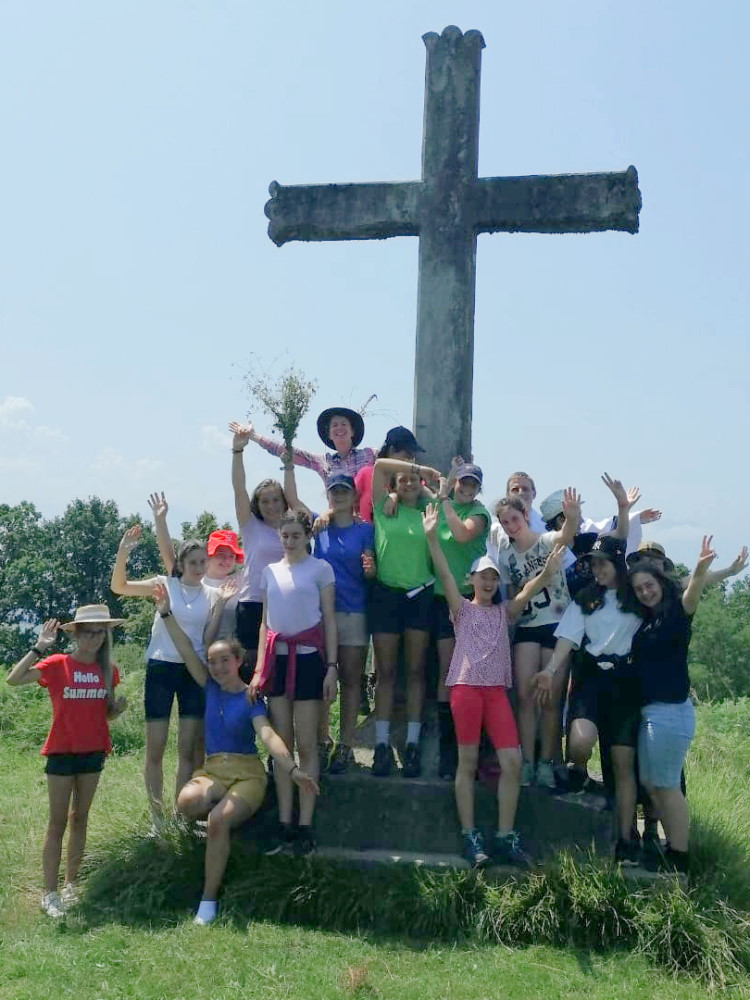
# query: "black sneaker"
627, 853
577, 777
412, 766
652, 849
383, 761
341, 759
447, 763
474, 850
507, 850
283, 841
325, 748
304, 845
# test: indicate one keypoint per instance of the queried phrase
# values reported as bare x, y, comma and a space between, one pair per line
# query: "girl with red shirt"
81, 688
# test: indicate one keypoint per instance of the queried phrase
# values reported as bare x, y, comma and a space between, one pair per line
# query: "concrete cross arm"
342, 211
560, 203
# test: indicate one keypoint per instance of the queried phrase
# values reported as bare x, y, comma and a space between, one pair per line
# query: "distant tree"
720, 646
203, 526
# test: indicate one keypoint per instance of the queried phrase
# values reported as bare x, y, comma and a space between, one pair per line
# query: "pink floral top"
481, 657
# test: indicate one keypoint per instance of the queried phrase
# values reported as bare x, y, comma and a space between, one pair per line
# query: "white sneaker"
69, 895
545, 775
527, 774
53, 905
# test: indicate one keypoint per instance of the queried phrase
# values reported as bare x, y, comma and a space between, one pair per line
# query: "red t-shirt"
363, 486
79, 705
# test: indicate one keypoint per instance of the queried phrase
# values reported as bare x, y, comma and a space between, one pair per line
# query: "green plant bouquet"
286, 399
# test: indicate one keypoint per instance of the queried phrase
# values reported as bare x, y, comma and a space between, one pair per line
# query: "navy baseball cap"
469, 471
340, 479
402, 439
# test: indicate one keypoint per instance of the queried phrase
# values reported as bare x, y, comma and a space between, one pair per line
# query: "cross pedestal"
447, 209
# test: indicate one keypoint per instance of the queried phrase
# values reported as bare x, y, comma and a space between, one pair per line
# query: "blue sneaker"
507, 850
473, 849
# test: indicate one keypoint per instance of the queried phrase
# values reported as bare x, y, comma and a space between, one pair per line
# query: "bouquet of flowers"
286, 399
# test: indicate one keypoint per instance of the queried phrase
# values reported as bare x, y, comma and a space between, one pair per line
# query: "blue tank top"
229, 720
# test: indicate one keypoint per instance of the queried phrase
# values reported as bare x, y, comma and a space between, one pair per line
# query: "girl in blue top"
231, 786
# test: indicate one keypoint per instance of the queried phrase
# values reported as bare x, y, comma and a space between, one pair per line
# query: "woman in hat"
224, 556
341, 430
603, 701
480, 674
667, 717
400, 605
297, 667
167, 677
654, 552
81, 686
462, 529
231, 785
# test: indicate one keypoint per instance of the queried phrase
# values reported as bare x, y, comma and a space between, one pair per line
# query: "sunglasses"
92, 631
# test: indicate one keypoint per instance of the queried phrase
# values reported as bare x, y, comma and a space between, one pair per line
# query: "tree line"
48, 566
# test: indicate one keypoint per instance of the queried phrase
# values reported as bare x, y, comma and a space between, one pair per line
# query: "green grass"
309, 929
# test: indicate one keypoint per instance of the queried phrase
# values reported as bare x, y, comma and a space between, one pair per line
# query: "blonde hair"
104, 659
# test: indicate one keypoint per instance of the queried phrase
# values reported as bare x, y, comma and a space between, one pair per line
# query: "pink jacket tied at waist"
314, 636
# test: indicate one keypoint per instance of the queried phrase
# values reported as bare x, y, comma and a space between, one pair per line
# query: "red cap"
228, 538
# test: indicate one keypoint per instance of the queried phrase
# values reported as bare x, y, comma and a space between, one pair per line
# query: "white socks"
206, 911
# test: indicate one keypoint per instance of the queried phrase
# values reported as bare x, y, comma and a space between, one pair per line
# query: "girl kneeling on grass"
479, 675
231, 786
81, 688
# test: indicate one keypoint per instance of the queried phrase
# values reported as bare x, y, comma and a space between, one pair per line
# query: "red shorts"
473, 707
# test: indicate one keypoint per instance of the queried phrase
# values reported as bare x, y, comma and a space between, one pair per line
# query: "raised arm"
226, 593
515, 605
119, 584
159, 507
699, 577
385, 468
624, 502
439, 562
572, 512
306, 459
24, 672
290, 487
462, 531
719, 575
241, 434
184, 647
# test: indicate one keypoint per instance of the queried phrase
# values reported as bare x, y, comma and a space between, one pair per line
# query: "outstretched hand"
242, 434
160, 597
706, 555
131, 538
618, 491
571, 503
158, 504
554, 561
649, 515
739, 563
430, 519
47, 634
229, 588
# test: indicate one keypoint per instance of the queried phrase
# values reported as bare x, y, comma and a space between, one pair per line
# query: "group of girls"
401, 556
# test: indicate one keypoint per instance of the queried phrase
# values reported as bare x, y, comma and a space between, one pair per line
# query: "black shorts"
67, 764
249, 618
391, 612
308, 682
543, 634
166, 680
608, 701
441, 626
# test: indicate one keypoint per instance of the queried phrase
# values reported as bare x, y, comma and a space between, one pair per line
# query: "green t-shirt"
461, 555
403, 558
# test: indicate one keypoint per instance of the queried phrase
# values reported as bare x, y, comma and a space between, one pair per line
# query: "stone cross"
446, 210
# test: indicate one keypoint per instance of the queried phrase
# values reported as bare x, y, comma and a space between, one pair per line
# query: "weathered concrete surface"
447, 209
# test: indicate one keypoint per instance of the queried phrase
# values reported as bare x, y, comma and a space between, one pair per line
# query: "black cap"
607, 547
401, 439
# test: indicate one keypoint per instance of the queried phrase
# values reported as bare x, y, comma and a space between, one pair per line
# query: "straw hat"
92, 614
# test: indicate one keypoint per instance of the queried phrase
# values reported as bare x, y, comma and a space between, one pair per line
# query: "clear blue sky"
137, 277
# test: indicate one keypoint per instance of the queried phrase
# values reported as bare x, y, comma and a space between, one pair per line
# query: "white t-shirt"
609, 629
262, 546
191, 607
499, 540
517, 568
292, 595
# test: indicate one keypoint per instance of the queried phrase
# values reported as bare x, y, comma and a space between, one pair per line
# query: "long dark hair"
671, 588
255, 498
591, 597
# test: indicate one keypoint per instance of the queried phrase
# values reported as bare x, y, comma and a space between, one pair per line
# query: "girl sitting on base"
231, 786
478, 677
81, 688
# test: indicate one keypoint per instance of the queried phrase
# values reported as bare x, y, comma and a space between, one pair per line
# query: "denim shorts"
664, 736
